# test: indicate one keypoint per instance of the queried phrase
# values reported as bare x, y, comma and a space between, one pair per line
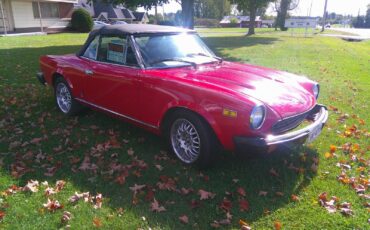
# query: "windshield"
173, 50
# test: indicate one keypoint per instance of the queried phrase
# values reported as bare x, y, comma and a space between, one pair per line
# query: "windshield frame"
147, 66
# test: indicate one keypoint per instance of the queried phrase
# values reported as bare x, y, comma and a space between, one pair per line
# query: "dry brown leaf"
243, 205
67, 216
52, 205
97, 222
32, 186
204, 195
277, 225
155, 207
262, 193
241, 191
184, 219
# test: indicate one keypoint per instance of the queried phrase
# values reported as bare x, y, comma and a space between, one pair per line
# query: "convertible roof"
122, 29
138, 29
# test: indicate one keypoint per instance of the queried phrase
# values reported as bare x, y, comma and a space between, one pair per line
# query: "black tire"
74, 107
208, 142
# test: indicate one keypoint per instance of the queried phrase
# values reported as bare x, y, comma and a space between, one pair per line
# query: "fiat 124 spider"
166, 80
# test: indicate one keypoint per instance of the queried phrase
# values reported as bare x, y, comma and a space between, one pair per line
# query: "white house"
24, 15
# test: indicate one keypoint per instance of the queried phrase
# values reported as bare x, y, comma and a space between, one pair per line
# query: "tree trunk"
187, 7
283, 12
155, 15
252, 21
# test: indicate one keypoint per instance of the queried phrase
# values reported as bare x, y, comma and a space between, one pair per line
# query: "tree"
282, 7
251, 6
187, 7
214, 9
367, 17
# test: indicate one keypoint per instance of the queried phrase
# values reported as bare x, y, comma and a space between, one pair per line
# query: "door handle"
89, 72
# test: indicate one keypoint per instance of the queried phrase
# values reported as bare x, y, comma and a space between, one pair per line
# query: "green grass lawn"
38, 143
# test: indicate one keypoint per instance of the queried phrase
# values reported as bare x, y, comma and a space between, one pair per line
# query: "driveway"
361, 33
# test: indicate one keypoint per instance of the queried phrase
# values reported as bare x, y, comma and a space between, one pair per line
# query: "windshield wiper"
205, 55
173, 59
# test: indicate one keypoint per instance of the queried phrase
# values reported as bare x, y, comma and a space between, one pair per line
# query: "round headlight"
316, 90
257, 116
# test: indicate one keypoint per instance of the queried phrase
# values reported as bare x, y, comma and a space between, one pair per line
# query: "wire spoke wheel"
185, 140
63, 96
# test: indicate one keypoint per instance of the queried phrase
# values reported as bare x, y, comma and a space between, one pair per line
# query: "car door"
111, 81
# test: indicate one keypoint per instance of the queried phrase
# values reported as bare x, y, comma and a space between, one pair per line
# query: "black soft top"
132, 29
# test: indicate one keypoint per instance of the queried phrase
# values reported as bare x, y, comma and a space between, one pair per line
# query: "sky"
338, 6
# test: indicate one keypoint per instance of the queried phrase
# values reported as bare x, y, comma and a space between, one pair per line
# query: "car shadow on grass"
121, 155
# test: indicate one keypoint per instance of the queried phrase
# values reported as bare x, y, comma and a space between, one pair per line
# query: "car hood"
279, 90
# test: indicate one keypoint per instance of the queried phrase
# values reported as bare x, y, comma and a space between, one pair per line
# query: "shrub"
166, 23
206, 22
81, 21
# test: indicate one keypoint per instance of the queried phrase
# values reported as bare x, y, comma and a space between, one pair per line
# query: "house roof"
108, 10
139, 16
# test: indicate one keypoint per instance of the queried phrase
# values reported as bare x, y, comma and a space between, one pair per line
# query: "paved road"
362, 33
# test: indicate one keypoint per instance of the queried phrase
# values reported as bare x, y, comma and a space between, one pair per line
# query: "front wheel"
191, 139
64, 99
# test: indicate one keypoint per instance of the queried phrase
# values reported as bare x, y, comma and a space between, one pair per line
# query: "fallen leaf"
2, 214
184, 219
137, 188
77, 196
262, 193
204, 195
333, 148
97, 222
98, 201
243, 205
226, 205
59, 185
130, 152
244, 225
241, 191
294, 198
155, 207
32, 186
67, 216
273, 172
52, 205
279, 194
277, 225
185, 191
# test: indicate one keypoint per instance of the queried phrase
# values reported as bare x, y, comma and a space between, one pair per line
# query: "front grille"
289, 123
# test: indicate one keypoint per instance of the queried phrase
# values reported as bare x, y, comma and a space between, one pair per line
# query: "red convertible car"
166, 80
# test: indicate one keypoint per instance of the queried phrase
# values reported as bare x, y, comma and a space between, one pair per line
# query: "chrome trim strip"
321, 120
118, 114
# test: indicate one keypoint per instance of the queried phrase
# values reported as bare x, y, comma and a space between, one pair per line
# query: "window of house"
48, 9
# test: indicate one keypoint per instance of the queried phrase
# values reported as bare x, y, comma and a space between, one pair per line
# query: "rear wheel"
64, 99
191, 139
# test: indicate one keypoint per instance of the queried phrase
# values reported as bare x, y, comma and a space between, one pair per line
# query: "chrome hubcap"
64, 98
185, 140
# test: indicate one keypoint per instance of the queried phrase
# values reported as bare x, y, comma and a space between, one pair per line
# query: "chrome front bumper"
320, 117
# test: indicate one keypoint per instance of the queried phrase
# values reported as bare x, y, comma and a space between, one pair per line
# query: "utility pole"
324, 16
41, 26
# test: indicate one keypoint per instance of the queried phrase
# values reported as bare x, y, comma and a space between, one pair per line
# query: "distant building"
108, 12
239, 21
25, 16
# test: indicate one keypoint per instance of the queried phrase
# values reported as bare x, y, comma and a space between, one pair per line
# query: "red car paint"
143, 96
